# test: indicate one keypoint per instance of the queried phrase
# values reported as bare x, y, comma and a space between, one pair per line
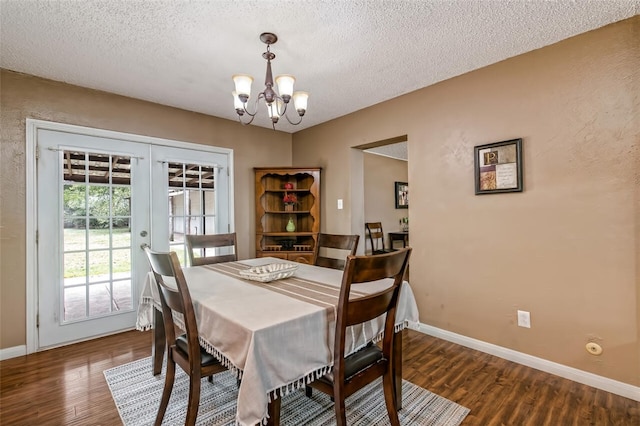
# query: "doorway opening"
377, 167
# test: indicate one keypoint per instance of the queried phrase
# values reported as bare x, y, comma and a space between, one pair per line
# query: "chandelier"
276, 103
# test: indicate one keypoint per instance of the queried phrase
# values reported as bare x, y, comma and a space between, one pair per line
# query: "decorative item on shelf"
287, 243
288, 185
404, 224
276, 103
289, 201
291, 227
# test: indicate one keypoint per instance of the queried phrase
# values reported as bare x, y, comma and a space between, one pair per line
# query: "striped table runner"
306, 290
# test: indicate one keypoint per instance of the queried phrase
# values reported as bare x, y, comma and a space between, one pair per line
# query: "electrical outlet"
339, 203
524, 319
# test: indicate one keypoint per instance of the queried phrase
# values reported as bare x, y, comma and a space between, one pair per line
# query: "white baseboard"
13, 352
619, 388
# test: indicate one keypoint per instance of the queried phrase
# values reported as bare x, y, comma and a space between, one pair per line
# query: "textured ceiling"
393, 150
347, 54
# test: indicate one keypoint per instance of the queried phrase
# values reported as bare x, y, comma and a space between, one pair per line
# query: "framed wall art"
498, 167
402, 195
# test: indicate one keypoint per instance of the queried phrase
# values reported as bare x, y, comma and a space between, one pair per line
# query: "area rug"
136, 393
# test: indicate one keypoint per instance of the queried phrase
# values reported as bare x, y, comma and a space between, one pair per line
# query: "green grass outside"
75, 263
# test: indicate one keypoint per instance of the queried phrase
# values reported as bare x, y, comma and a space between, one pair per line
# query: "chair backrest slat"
376, 236
203, 243
367, 308
333, 242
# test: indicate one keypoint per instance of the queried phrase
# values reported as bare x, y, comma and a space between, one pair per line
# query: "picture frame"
498, 167
402, 195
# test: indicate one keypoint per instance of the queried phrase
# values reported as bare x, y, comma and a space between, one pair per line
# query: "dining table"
275, 336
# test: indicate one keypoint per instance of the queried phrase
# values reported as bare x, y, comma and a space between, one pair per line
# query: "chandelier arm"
291, 122
248, 122
282, 103
255, 105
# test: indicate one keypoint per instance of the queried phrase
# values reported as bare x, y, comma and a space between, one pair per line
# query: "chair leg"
194, 400
308, 391
390, 397
168, 387
338, 405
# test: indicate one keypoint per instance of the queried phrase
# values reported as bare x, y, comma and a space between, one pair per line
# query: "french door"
96, 206
195, 197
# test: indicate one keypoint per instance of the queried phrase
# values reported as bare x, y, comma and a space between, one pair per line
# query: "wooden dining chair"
184, 350
353, 372
205, 246
376, 237
336, 244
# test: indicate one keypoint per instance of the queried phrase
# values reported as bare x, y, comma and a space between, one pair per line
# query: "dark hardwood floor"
65, 386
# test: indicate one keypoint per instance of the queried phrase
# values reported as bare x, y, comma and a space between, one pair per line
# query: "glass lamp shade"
237, 103
243, 84
272, 109
300, 101
285, 84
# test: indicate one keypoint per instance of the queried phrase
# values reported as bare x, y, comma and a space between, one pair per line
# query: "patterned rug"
137, 393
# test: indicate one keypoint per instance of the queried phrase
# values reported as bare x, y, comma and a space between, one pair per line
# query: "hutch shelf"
287, 232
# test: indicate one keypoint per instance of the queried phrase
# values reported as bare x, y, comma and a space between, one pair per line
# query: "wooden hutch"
275, 220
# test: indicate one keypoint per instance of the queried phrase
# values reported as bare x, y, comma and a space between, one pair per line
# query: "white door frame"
32, 127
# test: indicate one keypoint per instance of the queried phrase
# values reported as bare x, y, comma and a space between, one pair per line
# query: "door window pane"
121, 263
75, 265
121, 201
209, 202
122, 295
75, 200
194, 202
75, 235
97, 234
120, 233
99, 299
99, 238
207, 175
99, 263
191, 200
98, 201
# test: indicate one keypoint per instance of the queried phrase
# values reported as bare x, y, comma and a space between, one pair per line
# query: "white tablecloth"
275, 339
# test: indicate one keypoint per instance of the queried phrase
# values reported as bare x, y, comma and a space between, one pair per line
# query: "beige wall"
24, 97
567, 248
380, 175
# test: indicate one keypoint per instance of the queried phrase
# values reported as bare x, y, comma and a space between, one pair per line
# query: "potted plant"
289, 201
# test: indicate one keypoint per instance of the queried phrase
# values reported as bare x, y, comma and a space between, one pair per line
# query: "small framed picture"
498, 167
402, 195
